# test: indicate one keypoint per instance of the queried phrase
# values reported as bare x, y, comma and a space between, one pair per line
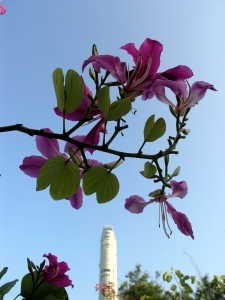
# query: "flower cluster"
106, 289
143, 80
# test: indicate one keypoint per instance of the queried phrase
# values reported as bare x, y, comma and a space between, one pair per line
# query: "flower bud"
175, 172
156, 193
113, 164
185, 131
75, 158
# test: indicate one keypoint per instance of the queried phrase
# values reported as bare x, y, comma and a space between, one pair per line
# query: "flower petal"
109, 63
93, 137
76, 200
2, 9
179, 189
48, 147
178, 73
135, 204
198, 91
32, 164
180, 220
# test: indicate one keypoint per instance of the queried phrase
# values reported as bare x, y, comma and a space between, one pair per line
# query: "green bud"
156, 193
94, 50
92, 74
75, 158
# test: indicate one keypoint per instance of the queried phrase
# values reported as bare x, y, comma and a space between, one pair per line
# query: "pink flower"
140, 80
49, 148
136, 204
2, 9
184, 98
55, 272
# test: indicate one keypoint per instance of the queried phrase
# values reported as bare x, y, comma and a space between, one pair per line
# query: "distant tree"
211, 290
140, 286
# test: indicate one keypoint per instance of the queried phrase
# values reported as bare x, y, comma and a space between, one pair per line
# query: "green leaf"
178, 273
92, 179
173, 287
154, 130
5, 288
149, 170
148, 127
45, 289
108, 189
50, 297
187, 288
62, 175
74, 91
58, 81
192, 279
98, 180
3, 271
118, 109
167, 277
104, 100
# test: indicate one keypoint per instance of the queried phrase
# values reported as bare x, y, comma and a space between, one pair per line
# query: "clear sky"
38, 36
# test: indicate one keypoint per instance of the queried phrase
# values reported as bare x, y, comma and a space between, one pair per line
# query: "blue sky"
36, 38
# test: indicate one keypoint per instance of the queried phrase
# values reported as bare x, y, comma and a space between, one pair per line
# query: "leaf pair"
102, 182
62, 175
5, 288
70, 96
154, 130
149, 170
115, 110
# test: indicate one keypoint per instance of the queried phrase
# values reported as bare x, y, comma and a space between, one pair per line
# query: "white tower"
108, 259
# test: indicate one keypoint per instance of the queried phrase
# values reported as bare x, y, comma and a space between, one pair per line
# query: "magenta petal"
32, 164
80, 138
2, 9
48, 147
180, 220
199, 89
62, 280
179, 189
76, 200
132, 50
109, 63
135, 204
178, 73
93, 137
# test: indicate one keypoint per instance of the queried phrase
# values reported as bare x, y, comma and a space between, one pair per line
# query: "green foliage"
115, 110
149, 170
5, 288
140, 287
41, 290
62, 175
68, 97
154, 130
102, 182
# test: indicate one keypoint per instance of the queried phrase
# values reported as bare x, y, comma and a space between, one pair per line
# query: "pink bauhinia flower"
139, 81
136, 204
185, 99
55, 272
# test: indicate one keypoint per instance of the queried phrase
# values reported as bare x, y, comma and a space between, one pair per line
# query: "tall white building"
108, 259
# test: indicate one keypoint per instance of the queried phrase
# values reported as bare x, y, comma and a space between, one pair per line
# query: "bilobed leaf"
74, 91
104, 100
66, 182
3, 271
5, 288
108, 189
63, 176
154, 130
118, 109
149, 170
58, 81
92, 179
